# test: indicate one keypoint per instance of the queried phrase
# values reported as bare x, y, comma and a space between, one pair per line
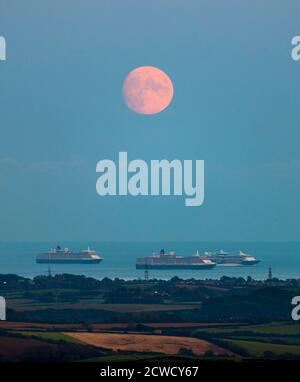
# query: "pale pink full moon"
147, 90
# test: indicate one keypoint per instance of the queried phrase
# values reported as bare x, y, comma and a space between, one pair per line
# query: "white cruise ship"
60, 255
229, 259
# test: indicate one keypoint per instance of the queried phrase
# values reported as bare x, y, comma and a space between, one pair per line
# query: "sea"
119, 259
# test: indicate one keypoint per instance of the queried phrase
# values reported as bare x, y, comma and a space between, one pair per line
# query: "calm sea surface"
119, 259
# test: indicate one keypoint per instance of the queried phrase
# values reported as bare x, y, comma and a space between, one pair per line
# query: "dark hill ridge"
66, 298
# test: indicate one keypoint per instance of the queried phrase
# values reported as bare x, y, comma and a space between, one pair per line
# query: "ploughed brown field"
33, 325
42, 326
148, 343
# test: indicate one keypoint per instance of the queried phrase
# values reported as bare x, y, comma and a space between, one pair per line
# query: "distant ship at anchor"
66, 256
228, 259
171, 261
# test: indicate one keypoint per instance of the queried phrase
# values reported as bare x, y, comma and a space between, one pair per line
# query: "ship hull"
251, 262
174, 266
224, 263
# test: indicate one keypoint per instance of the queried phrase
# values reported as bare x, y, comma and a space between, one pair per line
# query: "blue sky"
236, 106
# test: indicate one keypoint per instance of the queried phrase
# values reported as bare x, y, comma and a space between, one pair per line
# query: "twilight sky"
236, 105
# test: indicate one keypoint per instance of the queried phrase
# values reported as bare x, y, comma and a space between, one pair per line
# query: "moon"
147, 90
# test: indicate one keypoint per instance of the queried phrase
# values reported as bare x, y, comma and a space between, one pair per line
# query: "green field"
277, 338
23, 305
282, 340
146, 307
257, 349
274, 329
55, 336
286, 329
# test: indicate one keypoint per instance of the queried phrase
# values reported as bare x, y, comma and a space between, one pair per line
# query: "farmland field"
24, 306
257, 349
149, 343
274, 329
56, 336
98, 326
146, 307
12, 348
286, 329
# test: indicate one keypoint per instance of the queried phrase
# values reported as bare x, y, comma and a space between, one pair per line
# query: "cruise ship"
60, 255
171, 261
229, 259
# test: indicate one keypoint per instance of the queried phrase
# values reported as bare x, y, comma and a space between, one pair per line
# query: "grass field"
11, 348
23, 305
287, 329
274, 329
146, 307
149, 343
281, 340
257, 349
56, 336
